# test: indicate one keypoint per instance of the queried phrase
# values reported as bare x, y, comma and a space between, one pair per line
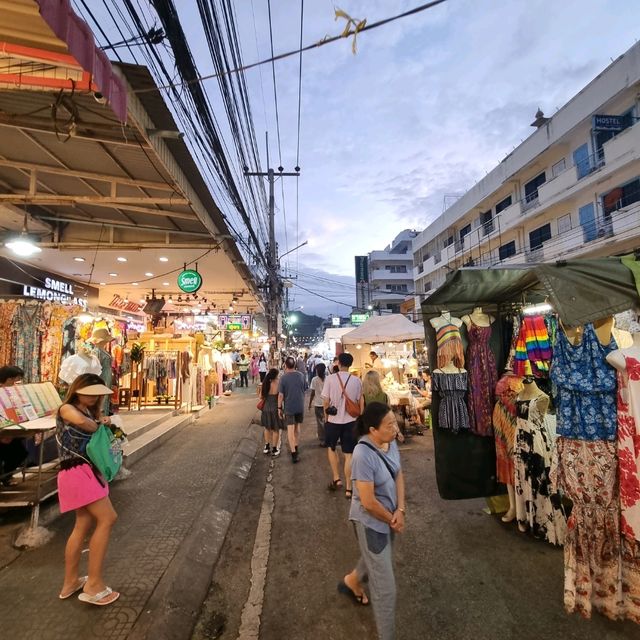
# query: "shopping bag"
105, 451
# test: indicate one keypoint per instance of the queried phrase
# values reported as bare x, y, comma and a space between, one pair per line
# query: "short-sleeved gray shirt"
292, 385
367, 466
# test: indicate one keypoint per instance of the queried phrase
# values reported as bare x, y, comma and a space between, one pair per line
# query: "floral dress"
586, 386
538, 507
451, 388
483, 377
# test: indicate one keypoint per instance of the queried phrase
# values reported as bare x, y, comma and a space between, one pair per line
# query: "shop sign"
125, 305
189, 281
359, 318
609, 123
54, 291
236, 322
335, 321
234, 326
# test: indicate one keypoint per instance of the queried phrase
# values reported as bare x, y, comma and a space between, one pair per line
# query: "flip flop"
335, 485
96, 599
80, 585
343, 588
348, 493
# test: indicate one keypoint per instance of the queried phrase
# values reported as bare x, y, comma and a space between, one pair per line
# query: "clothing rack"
161, 368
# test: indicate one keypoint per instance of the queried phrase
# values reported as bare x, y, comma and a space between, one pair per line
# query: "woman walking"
253, 368
81, 488
262, 367
270, 419
377, 511
315, 398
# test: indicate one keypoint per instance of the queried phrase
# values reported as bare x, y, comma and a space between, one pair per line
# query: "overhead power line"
314, 45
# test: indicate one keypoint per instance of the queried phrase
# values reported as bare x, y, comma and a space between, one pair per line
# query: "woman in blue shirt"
377, 511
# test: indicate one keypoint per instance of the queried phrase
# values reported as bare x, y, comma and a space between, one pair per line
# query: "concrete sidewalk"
461, 574
159, 506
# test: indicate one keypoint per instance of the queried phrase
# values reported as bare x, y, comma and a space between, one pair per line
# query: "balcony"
383, 274
509, 217
625, 143
626, 221
390, 296
530, 201
386, 256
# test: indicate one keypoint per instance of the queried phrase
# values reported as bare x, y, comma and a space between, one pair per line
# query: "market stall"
556, 427
392, 337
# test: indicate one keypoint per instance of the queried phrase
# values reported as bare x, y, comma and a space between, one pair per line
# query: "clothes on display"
538, 507
586, 387
505, 414
452, 388
449, 340
483, 377
533, 348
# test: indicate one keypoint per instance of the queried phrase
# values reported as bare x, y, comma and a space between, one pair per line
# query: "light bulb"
23, 246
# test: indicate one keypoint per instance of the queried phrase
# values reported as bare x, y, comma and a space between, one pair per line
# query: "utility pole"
274, 299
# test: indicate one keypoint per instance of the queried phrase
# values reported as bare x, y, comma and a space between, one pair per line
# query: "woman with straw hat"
81, 488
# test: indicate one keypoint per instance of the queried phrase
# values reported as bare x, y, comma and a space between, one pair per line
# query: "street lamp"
294, 248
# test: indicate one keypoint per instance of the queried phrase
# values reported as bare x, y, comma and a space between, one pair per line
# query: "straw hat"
101, 335
95, 390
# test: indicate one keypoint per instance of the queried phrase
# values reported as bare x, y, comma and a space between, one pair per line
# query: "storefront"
533, 378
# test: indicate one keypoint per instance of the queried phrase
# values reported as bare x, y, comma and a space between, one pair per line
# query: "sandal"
99, 597
79, 585
335, 485
348, 493
358, 599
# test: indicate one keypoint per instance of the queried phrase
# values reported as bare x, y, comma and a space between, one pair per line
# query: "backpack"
353, 408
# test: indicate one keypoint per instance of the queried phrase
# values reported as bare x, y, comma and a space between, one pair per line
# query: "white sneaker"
267, 449
276, 452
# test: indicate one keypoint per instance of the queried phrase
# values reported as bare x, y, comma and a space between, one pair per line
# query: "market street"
461, 574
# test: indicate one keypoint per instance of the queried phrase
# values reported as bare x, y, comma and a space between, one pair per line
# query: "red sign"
126, 305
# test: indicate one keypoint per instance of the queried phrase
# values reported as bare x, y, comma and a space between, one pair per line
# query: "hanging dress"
538, 507
451, 388
504, 426
483, 377
586, 386
450, 349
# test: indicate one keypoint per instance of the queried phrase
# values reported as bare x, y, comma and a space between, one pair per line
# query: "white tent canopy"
388, 328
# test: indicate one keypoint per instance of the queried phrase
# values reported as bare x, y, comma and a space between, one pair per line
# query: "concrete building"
390, 273
572, 189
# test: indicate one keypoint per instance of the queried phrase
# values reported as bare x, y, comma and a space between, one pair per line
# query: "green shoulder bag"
105, 452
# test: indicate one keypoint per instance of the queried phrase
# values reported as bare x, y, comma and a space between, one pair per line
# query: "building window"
427, 286
396, 268
503, 204
582, 160
531, 187
539, 236
397, 288
558, 167
426, 257
564, 223
507, 250
448, 241
486, 221
621, 197
466, 230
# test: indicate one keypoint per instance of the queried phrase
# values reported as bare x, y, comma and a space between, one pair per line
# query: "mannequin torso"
603, 329
479, 318
617, 358
444, 319
531, 391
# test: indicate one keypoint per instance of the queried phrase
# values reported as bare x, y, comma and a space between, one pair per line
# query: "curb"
173, 608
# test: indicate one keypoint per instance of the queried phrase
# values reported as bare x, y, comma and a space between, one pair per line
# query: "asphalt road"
462, 574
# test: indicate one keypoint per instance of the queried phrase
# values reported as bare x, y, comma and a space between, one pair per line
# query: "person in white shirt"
376, 362
315, 400
340, 426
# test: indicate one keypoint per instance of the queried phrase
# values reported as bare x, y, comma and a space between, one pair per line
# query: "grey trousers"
376, 567
320, 422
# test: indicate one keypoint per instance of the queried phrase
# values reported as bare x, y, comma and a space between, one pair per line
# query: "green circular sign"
189, 281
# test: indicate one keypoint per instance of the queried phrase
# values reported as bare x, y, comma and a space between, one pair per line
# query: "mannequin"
603, 328
504, 420
616, 358
479, 318
538, 508
450, 382
449, 340
483, 373
101, 338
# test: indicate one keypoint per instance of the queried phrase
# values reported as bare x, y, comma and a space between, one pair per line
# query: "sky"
427, 106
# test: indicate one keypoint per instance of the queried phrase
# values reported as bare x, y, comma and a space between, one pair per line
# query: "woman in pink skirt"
82, 489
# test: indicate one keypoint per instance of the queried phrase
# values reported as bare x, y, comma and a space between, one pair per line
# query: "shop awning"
579, 290
388, 328
45, 46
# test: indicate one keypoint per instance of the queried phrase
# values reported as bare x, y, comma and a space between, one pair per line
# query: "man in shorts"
341, 427
291, 403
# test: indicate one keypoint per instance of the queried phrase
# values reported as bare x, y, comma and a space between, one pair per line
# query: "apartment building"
391, 273
572, 189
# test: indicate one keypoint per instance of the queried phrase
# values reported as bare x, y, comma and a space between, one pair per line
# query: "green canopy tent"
580, 291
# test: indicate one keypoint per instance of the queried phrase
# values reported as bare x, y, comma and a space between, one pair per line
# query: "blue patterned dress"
586, 386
